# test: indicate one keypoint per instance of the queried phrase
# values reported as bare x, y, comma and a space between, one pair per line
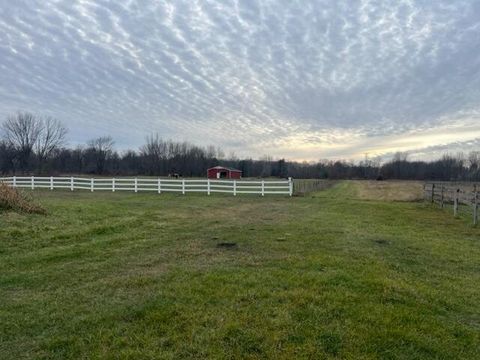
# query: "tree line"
31, 144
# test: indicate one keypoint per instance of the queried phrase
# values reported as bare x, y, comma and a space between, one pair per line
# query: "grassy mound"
12, 199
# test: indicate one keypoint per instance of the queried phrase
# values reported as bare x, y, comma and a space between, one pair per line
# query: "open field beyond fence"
336, 274
302, 187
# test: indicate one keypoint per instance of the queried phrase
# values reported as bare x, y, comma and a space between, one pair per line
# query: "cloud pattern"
300, 79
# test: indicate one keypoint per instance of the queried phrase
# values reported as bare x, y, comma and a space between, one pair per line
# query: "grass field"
334, 274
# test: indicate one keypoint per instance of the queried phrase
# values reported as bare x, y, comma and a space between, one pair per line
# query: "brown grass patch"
390, 190
13, 199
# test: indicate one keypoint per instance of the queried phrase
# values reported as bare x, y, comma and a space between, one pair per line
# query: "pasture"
355, 271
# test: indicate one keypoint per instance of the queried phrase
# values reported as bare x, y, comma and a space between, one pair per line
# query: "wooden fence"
462, 197
159, 185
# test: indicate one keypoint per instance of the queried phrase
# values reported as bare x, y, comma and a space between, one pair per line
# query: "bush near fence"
159, 185
464, 198
13, 199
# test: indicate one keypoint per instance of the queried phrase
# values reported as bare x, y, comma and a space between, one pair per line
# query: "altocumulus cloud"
299, 79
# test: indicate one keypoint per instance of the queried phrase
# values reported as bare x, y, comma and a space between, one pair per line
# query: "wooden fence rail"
159, 185
463, 198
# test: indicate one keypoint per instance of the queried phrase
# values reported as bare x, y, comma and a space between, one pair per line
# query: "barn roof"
224, 168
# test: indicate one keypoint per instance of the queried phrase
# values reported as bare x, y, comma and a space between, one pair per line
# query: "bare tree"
102, 144
7, 154
400, 156
153, 153
99, 151
31, 135
211, 152
154, 147
21, 131
474, 160
232, 156
220, 153
266, 162
52, 136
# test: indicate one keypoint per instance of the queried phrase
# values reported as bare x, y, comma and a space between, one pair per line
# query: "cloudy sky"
298, 79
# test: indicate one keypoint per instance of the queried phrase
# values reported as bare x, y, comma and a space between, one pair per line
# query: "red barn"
220, 172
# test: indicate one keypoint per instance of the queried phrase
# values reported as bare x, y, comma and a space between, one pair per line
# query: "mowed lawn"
330, 275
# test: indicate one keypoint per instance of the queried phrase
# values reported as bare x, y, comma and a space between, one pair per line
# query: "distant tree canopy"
31, 144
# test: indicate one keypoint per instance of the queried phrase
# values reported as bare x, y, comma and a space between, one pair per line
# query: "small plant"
13, 199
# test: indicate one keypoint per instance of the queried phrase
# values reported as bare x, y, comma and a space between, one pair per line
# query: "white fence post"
71, 183
92, 181
14, 181
183, 186
208, 186
136, 185
113, 184
290, 186
234, 187
159, 186
51, 182
263, 187
33, 183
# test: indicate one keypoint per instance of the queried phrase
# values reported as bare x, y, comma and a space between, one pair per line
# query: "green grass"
328, 275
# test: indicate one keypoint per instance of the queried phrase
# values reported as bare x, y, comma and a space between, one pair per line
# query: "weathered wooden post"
455, 203
433, 193
475, 205
442, 197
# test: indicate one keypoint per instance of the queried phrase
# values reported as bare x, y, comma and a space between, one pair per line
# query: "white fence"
260, 187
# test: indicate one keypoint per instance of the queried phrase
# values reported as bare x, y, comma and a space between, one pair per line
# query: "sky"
303, 80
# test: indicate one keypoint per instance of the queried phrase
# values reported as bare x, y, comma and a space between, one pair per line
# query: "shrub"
13, 199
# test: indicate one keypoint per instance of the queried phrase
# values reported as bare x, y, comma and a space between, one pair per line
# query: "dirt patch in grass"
227, 245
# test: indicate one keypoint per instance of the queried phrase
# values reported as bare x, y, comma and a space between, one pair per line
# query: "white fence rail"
159, 185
